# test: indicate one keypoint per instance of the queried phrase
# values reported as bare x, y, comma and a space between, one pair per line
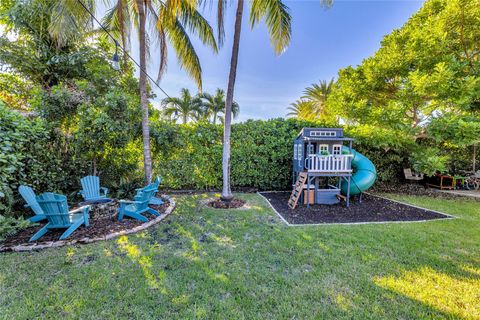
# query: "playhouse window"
323, 133
299, 152
337, 149
295, 152
310, 149
323, 148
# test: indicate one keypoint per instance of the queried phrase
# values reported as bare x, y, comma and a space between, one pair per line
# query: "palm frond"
196, 24
221, 4
159, 32
186, 54
117, 21
69, 20
327, 4
277, 20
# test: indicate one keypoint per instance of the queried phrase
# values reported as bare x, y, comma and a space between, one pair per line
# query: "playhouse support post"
348, 191
308, 190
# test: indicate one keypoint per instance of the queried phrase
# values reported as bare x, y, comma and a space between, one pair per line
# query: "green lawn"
246, 264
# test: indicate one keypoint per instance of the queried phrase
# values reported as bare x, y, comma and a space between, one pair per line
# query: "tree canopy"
422, 83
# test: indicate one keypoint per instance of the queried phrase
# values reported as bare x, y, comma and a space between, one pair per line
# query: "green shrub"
10, 225
429, 161
32, 154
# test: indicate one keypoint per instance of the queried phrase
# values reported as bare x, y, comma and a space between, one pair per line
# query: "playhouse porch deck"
328, 164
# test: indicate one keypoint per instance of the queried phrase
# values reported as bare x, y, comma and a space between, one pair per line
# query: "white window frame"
310, 149
323, 147
323, 133
337, 148
295, 152
300, 153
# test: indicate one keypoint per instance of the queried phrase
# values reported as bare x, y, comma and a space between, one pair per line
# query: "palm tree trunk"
147, 158
226, 191
184, 119
214, 118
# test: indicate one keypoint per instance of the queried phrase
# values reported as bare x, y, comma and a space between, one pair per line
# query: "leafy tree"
184, 107
34, 53
214, 105
423, 81
16, 91
62, 25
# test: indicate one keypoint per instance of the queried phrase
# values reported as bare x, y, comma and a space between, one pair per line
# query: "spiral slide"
364, 174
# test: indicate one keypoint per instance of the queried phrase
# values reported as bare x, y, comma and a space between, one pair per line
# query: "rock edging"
60, 243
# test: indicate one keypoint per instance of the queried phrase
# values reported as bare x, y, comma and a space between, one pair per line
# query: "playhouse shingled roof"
302, 135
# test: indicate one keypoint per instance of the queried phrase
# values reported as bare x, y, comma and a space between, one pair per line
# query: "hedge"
187, 156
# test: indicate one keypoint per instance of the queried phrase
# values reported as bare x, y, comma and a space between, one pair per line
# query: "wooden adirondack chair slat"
134, 209
29, 196
154, 185
91, 189
56, 210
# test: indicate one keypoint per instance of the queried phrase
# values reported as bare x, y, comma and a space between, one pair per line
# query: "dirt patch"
371, 209
101, 224
412, 189
233, 204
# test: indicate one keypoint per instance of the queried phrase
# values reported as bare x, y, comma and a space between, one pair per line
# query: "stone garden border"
60, 243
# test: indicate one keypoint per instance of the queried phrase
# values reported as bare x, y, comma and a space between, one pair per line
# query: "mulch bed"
102, 222
219, 204
371, 209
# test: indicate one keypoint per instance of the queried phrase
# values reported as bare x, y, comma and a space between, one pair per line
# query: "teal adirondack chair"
55, 208
155, 184
139, 205
91, 190
29, 196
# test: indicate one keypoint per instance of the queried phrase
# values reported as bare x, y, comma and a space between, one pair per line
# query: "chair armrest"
82, 208
105, 191
126, 201
85, 210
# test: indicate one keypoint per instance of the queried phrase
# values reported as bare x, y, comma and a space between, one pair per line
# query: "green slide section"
364, 174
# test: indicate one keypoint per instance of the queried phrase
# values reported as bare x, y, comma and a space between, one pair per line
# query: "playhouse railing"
330, 163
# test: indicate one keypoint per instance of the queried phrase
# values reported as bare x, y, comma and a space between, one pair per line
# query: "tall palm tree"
214, 105
169, 22
278, 22
317, 95
185, 107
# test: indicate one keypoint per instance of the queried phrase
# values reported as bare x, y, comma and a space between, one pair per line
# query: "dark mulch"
371, 209
101, 224
233, 204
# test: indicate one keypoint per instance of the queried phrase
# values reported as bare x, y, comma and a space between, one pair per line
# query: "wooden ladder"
297, 190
